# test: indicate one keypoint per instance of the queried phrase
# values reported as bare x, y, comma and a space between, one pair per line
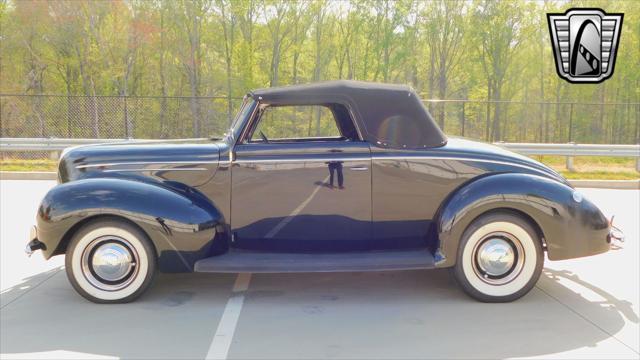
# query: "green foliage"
282, 122
477, 50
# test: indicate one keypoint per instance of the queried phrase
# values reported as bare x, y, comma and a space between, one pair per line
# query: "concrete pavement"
583, 308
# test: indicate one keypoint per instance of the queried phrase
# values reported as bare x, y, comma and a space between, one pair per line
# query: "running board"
236, 261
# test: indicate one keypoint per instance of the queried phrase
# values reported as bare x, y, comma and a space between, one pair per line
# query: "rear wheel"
500, 258
110, 261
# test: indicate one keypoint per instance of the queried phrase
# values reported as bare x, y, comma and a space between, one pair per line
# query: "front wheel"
500, 258
110, 261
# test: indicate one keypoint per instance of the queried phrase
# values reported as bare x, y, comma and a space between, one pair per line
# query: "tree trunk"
462, 119
488, 117
125, 87
163, 85
615, 122
246, 27
442, 94
431, 77
296, 55
227, 30
505, 122
229, 94
275, 63
350, 65
318, 65
37, 109
69, 101
600, 124
636, 133
495, 133
94, 111
194, 74
195, 111
546, 123
558, 129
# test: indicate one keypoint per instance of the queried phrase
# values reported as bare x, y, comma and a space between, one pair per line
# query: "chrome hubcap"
495, 257
498, 258
112, 261
109, 263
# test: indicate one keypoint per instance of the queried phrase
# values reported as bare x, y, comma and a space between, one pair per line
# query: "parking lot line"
219, 348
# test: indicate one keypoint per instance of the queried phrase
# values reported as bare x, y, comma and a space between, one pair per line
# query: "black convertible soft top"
388, 115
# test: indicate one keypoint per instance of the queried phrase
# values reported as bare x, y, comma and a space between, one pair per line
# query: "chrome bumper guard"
34, 244
615, 234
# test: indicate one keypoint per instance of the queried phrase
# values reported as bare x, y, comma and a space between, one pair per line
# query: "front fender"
180, 222
570, 229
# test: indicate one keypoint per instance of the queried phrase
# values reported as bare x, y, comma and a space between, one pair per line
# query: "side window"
297, 123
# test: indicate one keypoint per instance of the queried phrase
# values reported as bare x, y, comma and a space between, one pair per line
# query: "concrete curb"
607, 184
599, 184
28, 175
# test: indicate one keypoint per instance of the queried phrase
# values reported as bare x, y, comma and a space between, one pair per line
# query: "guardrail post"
571, 123
462, 119
638, 164
570, 166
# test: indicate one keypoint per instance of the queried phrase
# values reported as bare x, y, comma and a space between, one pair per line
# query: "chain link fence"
539, 122
114, 116
121, 117
111, 117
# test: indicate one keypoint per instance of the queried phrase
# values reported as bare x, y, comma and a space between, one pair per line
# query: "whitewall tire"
110, 261
500, 258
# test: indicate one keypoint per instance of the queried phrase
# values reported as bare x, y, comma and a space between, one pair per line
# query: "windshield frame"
246, 110
238, 123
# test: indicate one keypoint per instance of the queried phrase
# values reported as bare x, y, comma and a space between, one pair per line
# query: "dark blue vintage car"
334, 176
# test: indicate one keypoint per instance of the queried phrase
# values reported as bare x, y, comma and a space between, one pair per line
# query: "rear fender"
181, 222
568, 228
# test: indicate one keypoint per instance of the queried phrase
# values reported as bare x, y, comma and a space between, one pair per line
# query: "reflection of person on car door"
336, 166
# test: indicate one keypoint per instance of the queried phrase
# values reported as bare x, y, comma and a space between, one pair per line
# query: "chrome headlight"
577, 196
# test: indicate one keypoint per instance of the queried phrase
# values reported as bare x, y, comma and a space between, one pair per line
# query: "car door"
296, 192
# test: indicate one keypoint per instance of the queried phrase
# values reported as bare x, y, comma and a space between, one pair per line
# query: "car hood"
141, 159
483, 151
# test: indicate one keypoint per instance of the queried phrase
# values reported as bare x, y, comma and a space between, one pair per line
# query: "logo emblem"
585, 43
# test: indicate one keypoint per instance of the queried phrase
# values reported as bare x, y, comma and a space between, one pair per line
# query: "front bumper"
34, 244
615, 234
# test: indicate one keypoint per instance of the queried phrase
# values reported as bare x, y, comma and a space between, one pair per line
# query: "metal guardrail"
48, 144
570, 150
57, 144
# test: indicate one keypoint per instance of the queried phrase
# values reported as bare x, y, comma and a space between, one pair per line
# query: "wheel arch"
66, 238
528, 218
181, 223
544, 203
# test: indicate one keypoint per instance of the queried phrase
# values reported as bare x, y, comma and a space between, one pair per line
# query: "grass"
27, 165
589, 161
601, 175
587, 167
594, 167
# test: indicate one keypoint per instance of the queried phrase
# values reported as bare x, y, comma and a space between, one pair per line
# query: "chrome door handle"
359, 168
